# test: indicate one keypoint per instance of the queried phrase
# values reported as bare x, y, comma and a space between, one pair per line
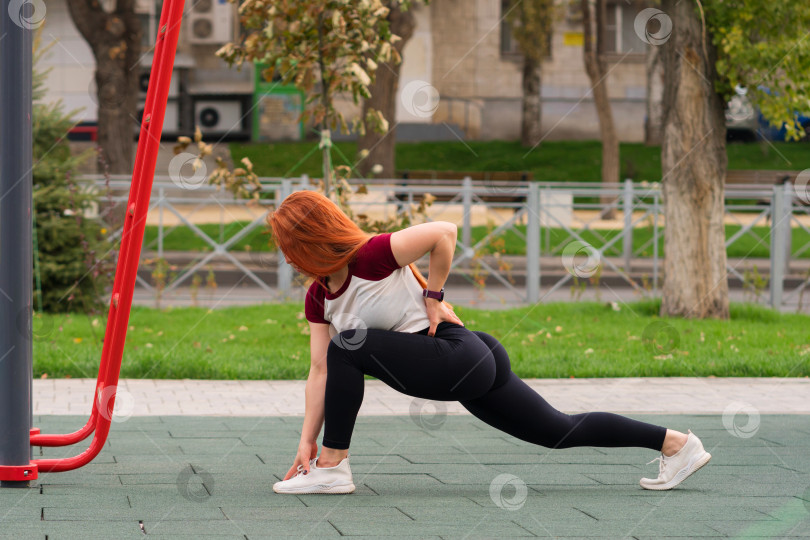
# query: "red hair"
317, 236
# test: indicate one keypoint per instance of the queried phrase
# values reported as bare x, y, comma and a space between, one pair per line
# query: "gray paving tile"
413, 484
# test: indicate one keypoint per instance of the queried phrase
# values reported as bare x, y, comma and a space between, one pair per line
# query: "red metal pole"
131, 242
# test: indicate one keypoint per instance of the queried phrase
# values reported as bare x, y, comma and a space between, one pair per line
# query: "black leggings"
466, 366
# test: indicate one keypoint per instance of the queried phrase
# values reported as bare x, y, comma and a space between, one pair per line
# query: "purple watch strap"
436, 295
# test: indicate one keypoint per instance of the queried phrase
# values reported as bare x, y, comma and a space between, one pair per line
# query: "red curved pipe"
41, 439
131, 242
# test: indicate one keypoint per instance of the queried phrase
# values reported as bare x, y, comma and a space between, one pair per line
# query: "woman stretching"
391, 323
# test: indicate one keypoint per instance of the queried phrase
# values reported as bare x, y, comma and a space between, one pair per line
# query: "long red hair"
317, 236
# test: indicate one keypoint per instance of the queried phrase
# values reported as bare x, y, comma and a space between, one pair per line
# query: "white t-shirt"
377, 293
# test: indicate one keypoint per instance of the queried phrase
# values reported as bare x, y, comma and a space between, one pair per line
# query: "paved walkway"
670, 395
190, 478
189, 459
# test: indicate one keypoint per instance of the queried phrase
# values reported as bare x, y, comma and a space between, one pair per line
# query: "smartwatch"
433, 294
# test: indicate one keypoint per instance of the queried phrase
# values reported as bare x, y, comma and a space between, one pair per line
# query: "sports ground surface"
422, 475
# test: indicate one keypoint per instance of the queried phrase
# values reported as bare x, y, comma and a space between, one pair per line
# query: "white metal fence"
555, 222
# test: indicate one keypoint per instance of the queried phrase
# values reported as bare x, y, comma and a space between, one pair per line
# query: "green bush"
69, 246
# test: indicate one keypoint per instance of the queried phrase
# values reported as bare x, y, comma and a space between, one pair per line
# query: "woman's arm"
316, 382
436, 237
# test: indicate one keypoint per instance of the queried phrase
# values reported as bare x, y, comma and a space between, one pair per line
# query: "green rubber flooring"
211, 477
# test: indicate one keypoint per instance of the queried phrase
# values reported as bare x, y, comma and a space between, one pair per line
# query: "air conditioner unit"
143, 84
219, 116
211, 22
171, 119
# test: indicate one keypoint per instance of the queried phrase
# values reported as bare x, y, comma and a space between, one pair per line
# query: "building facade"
461, 75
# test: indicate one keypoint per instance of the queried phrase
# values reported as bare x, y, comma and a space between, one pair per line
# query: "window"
618, 31
148, 12
509, 45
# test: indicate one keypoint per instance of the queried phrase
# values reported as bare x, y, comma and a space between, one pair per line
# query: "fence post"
304, 182
657, 208
787, 193
466, 198
160, 222
533, 244
627, 239
284, 270
777, 246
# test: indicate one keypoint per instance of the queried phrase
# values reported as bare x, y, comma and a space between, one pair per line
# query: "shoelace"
300, 469
661, 464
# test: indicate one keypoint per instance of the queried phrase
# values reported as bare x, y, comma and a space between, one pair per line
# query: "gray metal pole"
778, 222
627, 239
284, 271
787, 193
16, 250
533, 244
466, 227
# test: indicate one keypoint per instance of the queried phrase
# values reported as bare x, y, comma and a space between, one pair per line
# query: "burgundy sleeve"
375, 260
314, 304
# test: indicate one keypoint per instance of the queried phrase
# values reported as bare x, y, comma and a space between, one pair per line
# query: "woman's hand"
306, 451
438, 312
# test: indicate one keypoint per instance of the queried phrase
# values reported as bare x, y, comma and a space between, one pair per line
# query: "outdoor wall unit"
223, 116
143, 83
171, 119
210, 22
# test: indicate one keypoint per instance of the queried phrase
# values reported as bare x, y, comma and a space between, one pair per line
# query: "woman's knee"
341, 346
502, 364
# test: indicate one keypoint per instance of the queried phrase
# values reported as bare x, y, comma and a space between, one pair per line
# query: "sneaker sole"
343, 488
704, 459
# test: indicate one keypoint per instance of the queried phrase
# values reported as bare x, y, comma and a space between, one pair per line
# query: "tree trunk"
653, 125
382, 146
693, 159
531, 117
115, 39
607, 130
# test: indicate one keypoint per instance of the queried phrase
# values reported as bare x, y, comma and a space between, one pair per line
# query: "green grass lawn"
269, 341
553, 161
755, 244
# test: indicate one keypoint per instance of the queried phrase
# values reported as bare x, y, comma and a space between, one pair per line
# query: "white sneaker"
674, 469
337, 479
